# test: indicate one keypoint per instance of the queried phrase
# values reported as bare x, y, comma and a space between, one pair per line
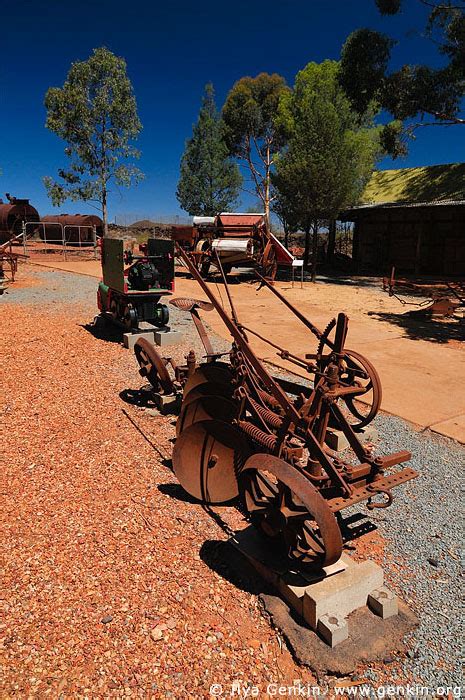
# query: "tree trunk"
307, 246
267, 189
314, 249
331, 241
105, 213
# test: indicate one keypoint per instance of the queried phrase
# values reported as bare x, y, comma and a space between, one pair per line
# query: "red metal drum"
13, 215
74, 227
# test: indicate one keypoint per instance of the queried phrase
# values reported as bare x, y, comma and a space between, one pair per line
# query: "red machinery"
239, 240
14, 215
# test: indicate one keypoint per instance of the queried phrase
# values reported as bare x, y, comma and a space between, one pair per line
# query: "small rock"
156, 634
106, 619
434, 562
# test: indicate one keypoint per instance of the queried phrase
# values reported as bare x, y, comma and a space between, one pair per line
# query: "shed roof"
432, 183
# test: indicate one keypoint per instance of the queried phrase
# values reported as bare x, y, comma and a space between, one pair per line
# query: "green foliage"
364, 61
329, 156
414, 91
95, 113
210, 181
251, 134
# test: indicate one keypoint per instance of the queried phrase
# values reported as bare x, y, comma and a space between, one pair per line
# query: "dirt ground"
420, 361
106, 563
115, 583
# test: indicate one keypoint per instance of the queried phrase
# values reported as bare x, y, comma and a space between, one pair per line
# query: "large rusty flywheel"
283, 504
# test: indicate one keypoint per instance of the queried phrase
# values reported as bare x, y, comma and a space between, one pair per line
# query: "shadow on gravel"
138, 397
225, 560
177, 492
420, 326
355, 526
104, 331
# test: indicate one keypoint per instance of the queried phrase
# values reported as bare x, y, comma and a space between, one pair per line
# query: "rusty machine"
440, 299
237, 240
243, 432
132, 285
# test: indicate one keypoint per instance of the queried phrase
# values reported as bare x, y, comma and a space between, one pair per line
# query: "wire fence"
149, 220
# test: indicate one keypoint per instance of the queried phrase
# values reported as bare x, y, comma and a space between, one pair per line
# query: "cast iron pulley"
285, 506
153, 366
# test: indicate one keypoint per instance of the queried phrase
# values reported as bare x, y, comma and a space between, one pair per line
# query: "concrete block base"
336, 440
167, 403
383, 602
130, 339
334, 629
165, 336
341, 594
325, 598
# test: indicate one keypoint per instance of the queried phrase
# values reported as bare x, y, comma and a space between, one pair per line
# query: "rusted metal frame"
274, 389
202, 332
316, 331
317, 451
282, 352
346, 428
363, 493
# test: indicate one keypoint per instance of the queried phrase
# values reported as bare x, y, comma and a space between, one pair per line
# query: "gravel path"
423, 558
101, 562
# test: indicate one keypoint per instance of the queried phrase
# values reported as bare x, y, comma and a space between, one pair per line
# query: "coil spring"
267, 398
268, 416
257, 435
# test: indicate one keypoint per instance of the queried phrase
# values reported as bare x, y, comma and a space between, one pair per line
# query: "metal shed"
413, 219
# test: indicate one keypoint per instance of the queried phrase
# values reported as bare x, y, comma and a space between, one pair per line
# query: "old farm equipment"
237, 240
440, 299
243, 432
132, 285
8, 259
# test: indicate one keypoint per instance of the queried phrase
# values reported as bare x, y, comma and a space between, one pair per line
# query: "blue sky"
172, 50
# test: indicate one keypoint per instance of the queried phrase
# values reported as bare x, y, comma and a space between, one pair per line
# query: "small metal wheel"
359, 371
285, 506
152, 366
206, 408
130, 319
202, 258
207, 458
114, 309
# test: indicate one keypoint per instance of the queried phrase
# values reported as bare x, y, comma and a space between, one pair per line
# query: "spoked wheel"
285, 506
270, 263
206, 408
152, 366
359, 371
207, 458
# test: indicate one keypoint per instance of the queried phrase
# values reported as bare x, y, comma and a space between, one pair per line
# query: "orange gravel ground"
104, 591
